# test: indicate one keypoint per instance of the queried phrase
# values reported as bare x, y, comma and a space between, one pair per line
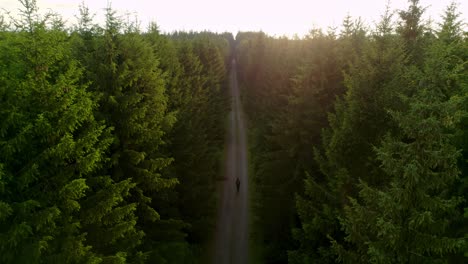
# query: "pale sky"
271, 16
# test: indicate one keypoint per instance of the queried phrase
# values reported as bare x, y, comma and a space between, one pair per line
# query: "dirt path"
231, 239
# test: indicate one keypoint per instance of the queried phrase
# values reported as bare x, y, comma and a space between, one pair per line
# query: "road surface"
231, 237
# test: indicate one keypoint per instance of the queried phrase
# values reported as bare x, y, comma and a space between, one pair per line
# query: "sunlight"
273, 17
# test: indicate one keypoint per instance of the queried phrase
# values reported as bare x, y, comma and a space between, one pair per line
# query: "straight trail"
231, 237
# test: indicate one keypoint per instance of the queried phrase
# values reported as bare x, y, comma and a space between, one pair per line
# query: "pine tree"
297, 127
134, 102
359, 121
450, 30
407, 221
50, 144
196, 143
450, 53
411, 218
267, 66
413, 31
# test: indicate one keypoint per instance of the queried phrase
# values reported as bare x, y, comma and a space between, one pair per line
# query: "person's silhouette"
237, 184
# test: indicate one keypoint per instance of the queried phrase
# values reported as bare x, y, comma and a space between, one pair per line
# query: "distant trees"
110, 140
289, 87
197, 138
367, 128
265, 66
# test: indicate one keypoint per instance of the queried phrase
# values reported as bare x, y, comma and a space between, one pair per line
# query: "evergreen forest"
112, 140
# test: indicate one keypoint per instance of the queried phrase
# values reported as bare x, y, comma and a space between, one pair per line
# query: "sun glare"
273, 17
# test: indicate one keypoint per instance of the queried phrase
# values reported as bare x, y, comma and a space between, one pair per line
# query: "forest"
112, 140
359, 141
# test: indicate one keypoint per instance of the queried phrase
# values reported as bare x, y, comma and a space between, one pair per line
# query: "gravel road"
231, 238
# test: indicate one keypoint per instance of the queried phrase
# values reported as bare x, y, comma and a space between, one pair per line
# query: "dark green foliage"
407, 221
412, 31
51, 145
354, 127
98, 127
197, 137
410, 219
265, 65
111, 140
124, 72
448, 56
378, 89
289, 88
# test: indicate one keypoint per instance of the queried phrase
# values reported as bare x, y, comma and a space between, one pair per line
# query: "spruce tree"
412, 30
408, 220
359, 121
297, 128
450, 52
50, 144
414, 217
125, 72
195, 145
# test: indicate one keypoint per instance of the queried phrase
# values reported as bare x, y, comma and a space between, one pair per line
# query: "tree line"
358, 141
110, 139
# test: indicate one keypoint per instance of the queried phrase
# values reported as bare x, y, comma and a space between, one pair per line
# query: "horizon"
296, 18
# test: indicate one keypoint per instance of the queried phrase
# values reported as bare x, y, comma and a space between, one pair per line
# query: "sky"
275, 17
